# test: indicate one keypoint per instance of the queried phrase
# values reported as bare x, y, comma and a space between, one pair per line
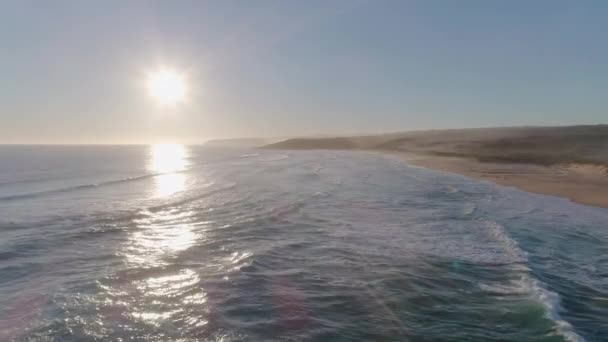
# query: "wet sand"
580, 183
564, 161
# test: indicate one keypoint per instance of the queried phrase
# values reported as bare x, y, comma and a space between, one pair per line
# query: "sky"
74, 71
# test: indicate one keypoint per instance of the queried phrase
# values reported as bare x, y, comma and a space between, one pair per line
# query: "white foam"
527, 284
469, 208
551, 301
497, 232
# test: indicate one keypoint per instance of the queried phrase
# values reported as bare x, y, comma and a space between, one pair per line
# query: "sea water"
191, 243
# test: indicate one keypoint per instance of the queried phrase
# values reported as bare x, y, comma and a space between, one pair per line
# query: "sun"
167, 86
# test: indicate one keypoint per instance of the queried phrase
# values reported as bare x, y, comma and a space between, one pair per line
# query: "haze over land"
535, 145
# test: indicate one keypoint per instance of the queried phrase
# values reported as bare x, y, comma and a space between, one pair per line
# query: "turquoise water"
177, 243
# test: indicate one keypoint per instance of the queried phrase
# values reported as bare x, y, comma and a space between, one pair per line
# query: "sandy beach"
580, 183
567, 161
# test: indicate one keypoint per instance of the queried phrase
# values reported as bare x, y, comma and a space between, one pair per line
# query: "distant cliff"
240, 142
314, 143
533, 145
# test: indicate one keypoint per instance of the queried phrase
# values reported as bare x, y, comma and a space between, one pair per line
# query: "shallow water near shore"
188, 243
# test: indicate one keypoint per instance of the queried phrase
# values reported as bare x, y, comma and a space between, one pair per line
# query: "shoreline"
564, 161
580, 183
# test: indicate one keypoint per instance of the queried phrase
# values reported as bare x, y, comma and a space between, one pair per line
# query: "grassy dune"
529, 145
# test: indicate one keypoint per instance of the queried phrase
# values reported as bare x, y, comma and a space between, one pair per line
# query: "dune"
567, 161
238, 142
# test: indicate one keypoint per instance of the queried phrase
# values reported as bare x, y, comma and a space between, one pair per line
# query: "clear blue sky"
72, 71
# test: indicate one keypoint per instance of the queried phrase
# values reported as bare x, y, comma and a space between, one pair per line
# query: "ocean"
192, 243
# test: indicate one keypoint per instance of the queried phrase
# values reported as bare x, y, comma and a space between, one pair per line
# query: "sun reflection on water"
170, 293
159, 289
168, 160
160, 235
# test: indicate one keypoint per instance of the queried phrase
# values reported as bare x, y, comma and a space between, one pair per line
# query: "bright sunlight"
168, 160
167, 86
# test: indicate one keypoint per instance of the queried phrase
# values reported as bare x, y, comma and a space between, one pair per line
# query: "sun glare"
167, 86
168, 160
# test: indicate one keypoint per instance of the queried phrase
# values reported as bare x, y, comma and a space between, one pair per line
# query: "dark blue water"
175, 243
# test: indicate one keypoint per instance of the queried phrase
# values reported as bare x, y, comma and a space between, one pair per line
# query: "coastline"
563, 161
579, 183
